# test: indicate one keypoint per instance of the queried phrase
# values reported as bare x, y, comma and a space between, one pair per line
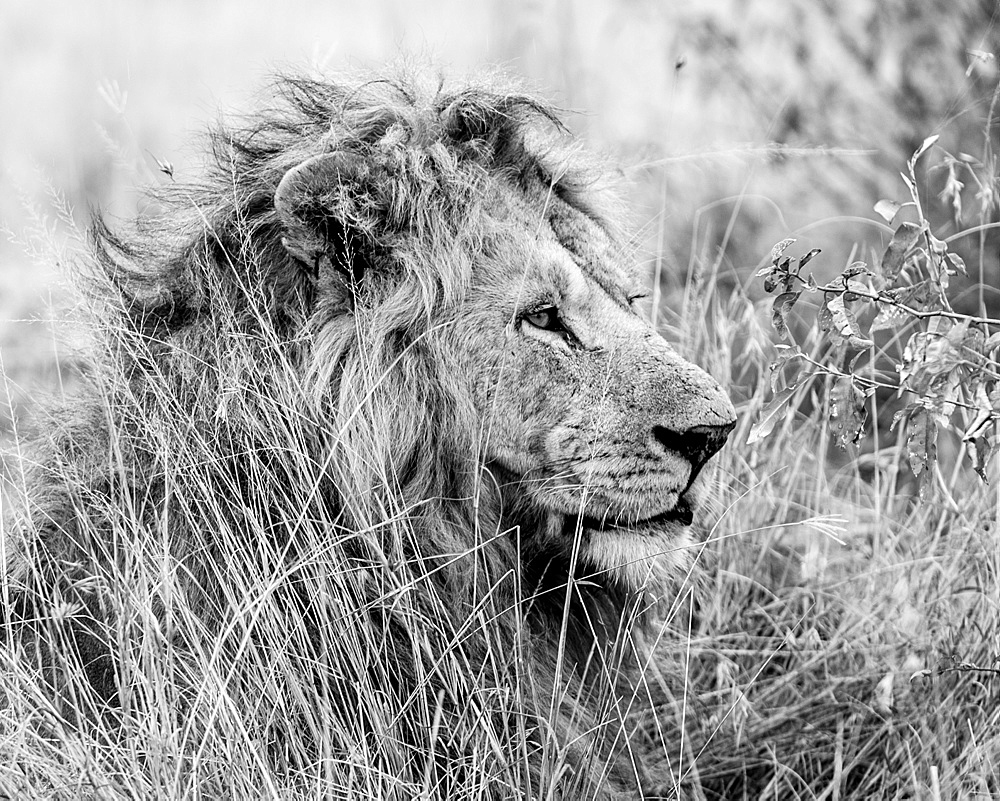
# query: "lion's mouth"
681, 514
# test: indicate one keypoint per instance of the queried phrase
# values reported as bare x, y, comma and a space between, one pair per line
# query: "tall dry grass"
836, 641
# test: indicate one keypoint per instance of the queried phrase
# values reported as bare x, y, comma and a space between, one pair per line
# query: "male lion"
376, 467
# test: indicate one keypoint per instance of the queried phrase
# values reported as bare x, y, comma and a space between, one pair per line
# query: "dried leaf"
778, 249
921, 441
957, 264
847, 411
845, 324
825, 319
769, 415
779, 312
888, 209
926, 357
902, 242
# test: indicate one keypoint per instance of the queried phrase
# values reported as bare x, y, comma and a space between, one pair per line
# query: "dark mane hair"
444, 142
261, 463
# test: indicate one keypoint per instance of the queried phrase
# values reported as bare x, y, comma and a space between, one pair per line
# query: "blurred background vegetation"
737, 122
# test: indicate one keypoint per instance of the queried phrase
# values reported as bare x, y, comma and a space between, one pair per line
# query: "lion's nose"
697, 444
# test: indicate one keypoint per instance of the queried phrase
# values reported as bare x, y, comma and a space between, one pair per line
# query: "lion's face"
601, 423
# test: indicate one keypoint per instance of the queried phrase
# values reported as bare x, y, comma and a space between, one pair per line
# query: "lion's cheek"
520, 401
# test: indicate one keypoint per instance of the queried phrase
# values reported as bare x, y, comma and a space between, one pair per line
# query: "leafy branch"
947, 372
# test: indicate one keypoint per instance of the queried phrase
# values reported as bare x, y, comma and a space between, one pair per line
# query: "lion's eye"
547, 319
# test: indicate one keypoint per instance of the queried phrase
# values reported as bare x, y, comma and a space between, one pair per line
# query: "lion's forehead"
592, 247
569, 257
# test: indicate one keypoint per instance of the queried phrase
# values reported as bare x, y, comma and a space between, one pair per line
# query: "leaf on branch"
779, 271
786, 353
809, 257
972, 347
938, 246
980, 449
917, 297
957, 265
856, 268
769, 415
979, 438
902, 242
957, 333
926, 357
776, 252
825, 319
854, 285
968, 344
921, 444
950, 393
902, 414
845, 324
889, 318
888, 209
847, 411
779, 312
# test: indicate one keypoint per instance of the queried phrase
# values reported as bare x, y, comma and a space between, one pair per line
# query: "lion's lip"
681, 513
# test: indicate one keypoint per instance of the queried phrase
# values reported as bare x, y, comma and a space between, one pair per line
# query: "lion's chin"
643, 558
681, 516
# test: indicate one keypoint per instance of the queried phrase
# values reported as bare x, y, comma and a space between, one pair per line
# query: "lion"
377, 461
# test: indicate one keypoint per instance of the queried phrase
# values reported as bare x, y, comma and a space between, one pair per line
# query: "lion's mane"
283, 473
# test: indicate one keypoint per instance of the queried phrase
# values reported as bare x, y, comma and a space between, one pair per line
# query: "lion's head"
592, 424
365, 396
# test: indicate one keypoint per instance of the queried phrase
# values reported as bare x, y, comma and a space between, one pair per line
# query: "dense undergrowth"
836, 641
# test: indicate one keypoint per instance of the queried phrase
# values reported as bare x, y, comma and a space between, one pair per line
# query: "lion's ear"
328, 209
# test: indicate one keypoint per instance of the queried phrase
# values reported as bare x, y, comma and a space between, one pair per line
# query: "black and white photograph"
499, 400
